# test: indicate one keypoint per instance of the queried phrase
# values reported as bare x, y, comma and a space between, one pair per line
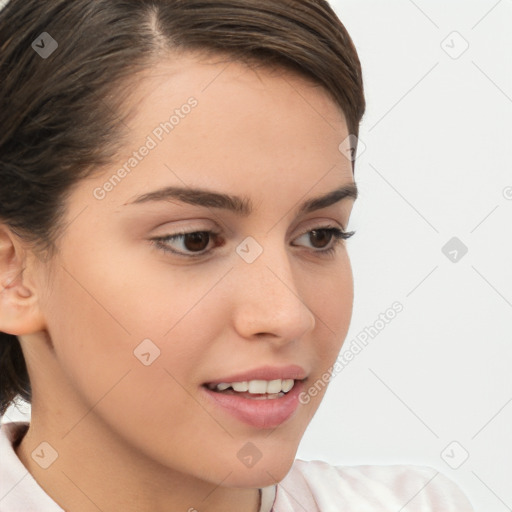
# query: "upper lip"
292, 371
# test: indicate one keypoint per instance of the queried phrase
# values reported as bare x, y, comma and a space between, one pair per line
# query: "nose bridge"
268, 298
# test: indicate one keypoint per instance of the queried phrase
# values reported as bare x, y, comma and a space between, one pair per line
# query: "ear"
19, 300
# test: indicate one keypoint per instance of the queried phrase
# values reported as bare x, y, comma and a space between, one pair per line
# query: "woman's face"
137, 328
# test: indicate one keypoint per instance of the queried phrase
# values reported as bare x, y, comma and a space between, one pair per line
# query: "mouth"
263, 397
255, 389
262, 404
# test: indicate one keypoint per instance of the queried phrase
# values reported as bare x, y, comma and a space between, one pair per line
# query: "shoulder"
322, 487
19, 492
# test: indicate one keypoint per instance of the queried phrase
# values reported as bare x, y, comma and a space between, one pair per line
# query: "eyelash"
338, 236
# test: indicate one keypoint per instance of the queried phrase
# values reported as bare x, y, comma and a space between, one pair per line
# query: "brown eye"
324, 241
196, 241
320, 238
191, 244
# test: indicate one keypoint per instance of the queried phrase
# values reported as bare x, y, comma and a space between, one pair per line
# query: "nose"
268, 301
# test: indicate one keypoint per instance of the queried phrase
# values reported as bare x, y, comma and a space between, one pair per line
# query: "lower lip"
267, 413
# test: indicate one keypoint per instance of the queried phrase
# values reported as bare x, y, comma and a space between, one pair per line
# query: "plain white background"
433, 386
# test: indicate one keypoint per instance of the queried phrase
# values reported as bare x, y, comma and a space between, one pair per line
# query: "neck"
95, 470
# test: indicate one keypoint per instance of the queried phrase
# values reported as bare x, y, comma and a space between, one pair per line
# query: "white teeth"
287, 385
274, 386
240, 386
257, 386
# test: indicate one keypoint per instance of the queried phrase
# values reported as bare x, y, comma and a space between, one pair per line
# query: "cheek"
106, 368
93, 348
332, 305
331, 299
110, 321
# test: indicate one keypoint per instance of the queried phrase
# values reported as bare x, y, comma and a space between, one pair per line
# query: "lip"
291, 371
267, 413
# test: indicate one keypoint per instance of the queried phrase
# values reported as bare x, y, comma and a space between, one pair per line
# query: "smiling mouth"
255, 389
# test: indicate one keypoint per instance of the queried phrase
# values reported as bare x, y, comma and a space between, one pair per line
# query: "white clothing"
313, 486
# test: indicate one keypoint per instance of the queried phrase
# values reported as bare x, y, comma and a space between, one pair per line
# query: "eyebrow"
240, 205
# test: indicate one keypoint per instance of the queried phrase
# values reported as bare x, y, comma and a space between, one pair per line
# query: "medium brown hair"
61, 114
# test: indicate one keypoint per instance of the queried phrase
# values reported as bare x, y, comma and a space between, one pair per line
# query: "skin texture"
142, 438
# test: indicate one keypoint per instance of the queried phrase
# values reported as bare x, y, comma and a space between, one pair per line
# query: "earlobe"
19, 304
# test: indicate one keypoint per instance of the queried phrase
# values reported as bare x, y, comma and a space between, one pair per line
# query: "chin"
262, 474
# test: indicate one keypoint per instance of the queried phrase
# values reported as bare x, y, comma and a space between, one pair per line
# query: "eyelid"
339, 235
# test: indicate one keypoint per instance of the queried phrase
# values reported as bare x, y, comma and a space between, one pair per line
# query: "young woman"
176, 181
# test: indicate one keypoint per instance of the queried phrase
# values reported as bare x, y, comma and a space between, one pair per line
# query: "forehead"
218, 124
222, 84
